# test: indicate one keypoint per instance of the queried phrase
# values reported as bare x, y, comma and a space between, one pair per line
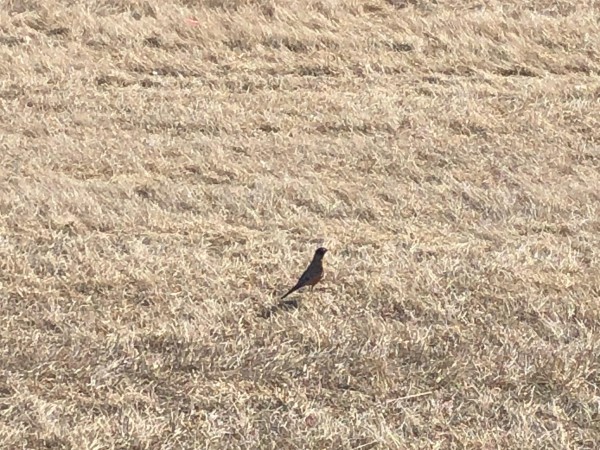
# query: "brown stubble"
164, 182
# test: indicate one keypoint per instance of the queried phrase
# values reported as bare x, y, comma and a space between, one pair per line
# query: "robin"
313, 273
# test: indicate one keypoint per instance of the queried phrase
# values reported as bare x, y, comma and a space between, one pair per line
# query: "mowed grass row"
168, 169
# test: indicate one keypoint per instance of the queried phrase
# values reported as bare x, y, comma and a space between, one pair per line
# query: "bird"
313, 273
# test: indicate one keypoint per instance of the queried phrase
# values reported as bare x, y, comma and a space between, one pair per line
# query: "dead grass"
167, 170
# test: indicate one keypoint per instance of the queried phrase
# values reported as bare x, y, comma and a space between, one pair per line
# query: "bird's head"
321, 252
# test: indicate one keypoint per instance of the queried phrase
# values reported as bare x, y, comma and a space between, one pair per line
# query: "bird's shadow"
283, 305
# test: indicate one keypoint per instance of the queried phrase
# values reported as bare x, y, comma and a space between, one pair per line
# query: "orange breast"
315, 280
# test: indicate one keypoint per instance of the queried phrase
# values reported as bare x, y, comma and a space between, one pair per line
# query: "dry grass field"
167, 170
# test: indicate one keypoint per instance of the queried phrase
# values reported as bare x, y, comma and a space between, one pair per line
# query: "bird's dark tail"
295, 288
